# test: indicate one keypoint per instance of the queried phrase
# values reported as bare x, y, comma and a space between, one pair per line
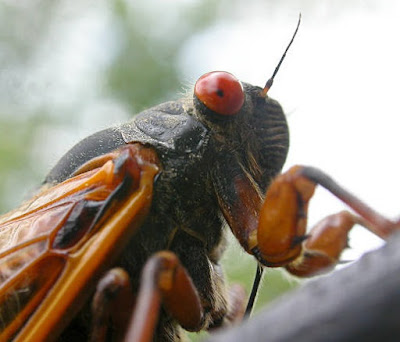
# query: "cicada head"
245, 122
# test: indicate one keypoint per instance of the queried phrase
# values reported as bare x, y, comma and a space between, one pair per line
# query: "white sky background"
338, 85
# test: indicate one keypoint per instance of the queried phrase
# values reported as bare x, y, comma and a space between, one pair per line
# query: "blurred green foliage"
141, 44
145, 68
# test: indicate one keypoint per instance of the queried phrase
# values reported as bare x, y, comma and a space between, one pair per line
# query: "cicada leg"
282, 239
164, 281
112, 306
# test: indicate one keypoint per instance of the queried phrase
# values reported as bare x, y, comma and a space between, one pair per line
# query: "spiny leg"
373, 221
324, 244
281, 235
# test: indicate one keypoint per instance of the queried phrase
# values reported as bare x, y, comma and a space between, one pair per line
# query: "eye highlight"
220, 92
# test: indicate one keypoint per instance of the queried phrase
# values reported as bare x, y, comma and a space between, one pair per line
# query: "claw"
323, 249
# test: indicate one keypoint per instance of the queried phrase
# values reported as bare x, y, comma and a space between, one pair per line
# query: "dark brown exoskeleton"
212, 164
125, 238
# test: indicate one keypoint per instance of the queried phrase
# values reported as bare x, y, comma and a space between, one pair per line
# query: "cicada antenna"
259, 270
254, 291
269, 83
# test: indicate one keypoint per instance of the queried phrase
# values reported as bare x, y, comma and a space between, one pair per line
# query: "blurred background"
68, 69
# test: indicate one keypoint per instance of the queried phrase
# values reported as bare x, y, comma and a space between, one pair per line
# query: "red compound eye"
220, 92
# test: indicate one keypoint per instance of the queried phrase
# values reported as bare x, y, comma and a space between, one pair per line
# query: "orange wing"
55, 246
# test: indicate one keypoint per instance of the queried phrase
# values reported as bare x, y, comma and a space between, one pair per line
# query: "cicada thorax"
92, 213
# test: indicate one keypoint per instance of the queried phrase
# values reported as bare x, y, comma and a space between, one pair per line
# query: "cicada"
125, 237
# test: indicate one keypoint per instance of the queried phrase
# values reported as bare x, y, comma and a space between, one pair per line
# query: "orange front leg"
281, 235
